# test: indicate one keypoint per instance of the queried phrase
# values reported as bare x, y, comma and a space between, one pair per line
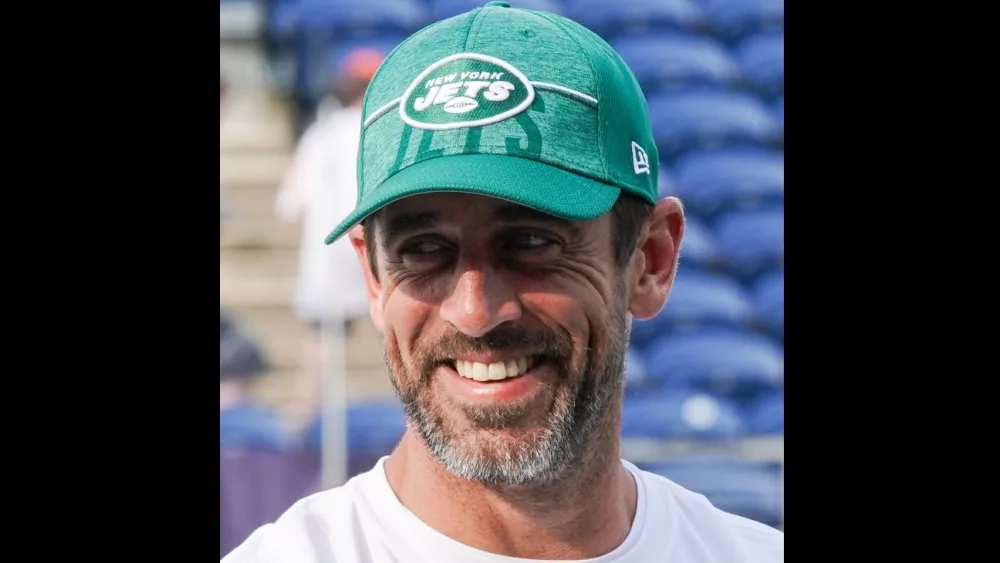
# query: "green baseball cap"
515, 104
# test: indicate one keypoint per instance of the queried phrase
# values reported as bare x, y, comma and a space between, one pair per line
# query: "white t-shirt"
364, 522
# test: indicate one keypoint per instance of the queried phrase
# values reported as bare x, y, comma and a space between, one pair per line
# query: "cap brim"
530, 183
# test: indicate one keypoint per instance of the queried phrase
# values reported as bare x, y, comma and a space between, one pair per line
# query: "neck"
582, 515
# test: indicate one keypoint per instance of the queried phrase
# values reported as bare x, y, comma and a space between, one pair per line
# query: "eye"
421, 248
528, 241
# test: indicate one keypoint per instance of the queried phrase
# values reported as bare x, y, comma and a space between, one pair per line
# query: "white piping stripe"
543, 85
382, 110
579, 95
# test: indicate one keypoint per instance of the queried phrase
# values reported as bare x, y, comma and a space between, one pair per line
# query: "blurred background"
705, 379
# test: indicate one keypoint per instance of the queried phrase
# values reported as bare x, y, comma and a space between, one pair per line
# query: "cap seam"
593, 73
473, 21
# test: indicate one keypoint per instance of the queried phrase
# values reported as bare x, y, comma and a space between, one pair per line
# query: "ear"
654, 263
374, 288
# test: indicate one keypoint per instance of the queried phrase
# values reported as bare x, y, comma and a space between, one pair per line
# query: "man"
511, 229
319, 189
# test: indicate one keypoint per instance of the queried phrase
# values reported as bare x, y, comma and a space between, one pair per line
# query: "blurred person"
319, 189
510, 232
243, 421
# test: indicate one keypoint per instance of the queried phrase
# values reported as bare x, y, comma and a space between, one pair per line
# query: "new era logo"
640, 160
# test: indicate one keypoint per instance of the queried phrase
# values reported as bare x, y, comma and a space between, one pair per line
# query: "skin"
485, 281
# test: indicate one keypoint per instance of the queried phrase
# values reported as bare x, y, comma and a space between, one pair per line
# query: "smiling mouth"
497, 371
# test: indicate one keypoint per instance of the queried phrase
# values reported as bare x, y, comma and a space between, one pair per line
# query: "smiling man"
509, 227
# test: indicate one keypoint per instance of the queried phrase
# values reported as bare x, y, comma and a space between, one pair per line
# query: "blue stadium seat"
251, 426
766, 415
610, 20
745, 488
314, 82
346, 18
697, 300
677, 61
739, 364
373, 430
636, 374
703, 119
762, 63
752, 242
779, 111
769, 303
710, 182
732, 20
378, 423
666, 185
681, 414
443, 9
699, 249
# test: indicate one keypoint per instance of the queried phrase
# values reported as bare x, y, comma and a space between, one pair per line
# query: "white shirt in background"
319, 190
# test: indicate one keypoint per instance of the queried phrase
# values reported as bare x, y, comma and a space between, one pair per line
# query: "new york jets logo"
465, 90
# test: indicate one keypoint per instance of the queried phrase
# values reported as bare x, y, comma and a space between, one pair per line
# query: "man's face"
505, 331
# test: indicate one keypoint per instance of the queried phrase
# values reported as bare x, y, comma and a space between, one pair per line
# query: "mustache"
503, 339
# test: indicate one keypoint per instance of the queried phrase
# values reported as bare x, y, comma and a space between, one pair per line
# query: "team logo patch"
465, 90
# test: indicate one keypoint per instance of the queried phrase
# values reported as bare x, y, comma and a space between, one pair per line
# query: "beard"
519, 442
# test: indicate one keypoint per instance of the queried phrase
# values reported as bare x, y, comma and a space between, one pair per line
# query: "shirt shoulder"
719, 535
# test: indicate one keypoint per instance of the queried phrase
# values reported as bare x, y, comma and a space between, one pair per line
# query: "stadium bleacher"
709, 369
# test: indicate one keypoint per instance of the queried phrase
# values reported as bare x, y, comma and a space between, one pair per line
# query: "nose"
481, 300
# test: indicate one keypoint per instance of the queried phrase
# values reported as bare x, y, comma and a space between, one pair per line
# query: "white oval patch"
460, 105
440, 94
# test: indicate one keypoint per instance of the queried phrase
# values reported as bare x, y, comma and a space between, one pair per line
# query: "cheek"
566, 313
579, 308
404, 317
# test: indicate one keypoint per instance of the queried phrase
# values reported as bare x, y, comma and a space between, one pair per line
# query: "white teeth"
480, 372
498, 371
495, 371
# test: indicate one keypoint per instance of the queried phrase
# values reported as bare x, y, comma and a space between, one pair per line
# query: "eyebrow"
401, 225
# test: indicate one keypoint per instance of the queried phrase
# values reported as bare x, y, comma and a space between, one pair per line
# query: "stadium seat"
752, 242
697, 300
732, 20
779, 111
699, 249
744, 488
681, 414
738, 364
636, 375
766, 415
443, 9
677, 61
252, 426
614, 19
346, 18
762, 63
373, 430
665, 184
769, 303
711, 182
703, 119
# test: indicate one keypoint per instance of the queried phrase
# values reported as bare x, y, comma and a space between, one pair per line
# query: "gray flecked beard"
579, 415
